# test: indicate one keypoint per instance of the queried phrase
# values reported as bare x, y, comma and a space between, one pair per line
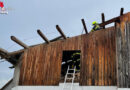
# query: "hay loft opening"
70, 58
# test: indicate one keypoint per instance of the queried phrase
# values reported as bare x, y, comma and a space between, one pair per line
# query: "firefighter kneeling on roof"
95, 26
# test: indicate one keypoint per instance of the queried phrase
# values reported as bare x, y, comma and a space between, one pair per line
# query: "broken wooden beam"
84, 25
19, 42
61, 32
4, 54
4, 51
16, 52
103, 19
43, 36
121, 11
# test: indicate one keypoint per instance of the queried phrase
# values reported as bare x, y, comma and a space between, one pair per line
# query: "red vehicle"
3, 10
1, 4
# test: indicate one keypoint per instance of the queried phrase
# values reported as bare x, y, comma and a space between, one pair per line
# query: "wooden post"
43, 36
103, 20
61, 32
121, 12
128, 53
84, 25
123, 51
19, 42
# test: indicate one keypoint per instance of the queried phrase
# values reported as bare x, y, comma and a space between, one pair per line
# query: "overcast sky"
26, 16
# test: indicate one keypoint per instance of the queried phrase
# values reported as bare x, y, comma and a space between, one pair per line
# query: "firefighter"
76, 60
95, 26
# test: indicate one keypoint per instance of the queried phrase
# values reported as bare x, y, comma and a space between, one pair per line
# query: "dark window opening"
70, 58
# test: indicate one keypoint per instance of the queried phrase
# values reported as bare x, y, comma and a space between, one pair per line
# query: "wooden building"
104, 59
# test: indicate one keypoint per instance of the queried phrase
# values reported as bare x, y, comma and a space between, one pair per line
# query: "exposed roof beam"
16, 52
4, 51
4, 54
43, 36
57, 38
113, 19
61, 32
121, 11
103, 19
84, 25
19, 42
21, 51
109, 21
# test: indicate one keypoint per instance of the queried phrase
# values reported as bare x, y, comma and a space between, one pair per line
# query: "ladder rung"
77, 70
71, 69
69, 78
70, 73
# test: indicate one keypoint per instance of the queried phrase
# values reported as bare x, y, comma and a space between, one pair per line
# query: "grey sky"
26, 16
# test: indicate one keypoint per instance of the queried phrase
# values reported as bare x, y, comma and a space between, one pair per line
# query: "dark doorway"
70, 58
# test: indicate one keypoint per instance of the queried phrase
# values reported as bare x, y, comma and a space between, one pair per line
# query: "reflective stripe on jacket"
95, 28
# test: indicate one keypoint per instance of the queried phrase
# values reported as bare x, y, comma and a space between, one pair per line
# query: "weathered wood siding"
123, 51
41, 64
98, 64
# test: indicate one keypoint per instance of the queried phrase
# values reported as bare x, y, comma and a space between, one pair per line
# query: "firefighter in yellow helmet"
95, 26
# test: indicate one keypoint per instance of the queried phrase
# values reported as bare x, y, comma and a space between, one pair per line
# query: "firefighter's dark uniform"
95, 26
76, 60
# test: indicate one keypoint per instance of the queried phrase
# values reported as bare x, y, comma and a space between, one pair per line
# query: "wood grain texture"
98, 59
123, 51
41, 65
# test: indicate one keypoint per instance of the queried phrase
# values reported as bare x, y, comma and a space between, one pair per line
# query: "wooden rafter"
113, 19
43, 36
61, 32
110, 21
103, 19
4, 51
19, 42
84, 25
121, 12
16, 52
57, 38
21, 51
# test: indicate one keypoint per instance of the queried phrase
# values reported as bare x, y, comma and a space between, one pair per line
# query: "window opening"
70, 58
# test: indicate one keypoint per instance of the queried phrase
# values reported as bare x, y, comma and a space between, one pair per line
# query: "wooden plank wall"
98, 63
41, 64
123, 51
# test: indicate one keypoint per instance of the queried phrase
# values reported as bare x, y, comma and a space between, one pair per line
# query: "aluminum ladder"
67, 86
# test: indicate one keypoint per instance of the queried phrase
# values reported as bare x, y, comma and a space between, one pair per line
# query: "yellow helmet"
94, 23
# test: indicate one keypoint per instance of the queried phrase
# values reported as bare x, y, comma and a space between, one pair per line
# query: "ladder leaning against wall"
69, 86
